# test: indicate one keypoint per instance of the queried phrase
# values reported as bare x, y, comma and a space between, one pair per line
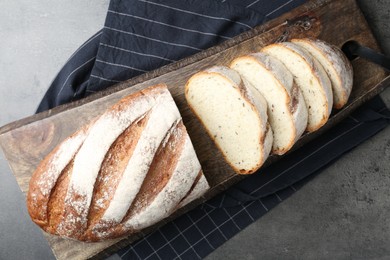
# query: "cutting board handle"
353, 49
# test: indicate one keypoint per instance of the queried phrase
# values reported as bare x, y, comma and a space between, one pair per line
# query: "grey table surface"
344, 213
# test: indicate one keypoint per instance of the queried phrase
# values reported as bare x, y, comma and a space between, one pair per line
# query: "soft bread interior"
229, 118
340, 93
277, 97
307, 80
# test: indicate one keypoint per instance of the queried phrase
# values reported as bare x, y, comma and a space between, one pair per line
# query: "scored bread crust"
196, 190
336, 65
324, 89
257, 104
289, 97
142, 175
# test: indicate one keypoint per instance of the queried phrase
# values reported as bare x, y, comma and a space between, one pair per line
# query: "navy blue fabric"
71, 82
142, 35
186, 28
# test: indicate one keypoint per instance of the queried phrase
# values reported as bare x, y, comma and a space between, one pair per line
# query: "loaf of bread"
287, 112
310, 77
234, 116
126, 170
336, 65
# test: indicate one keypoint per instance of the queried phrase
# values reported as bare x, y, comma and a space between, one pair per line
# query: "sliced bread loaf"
336, 65
232, 116
287, 112
310, 77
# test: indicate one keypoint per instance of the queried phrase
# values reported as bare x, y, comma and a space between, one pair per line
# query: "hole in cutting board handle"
353, 49
349, 48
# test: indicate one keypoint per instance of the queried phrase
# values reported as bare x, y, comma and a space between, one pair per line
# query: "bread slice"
287, 112
336, 65
234, 118
310, 77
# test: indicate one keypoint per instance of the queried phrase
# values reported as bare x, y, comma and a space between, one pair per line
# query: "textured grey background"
36, 39
344, 213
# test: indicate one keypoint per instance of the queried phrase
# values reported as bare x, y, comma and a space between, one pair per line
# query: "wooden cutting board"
27, 141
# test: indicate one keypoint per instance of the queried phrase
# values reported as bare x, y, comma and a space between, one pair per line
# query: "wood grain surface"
27, 141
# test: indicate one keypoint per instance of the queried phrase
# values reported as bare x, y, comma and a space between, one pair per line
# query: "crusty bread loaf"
336, 65
310, 77
234, 118
287, 112
128, 169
